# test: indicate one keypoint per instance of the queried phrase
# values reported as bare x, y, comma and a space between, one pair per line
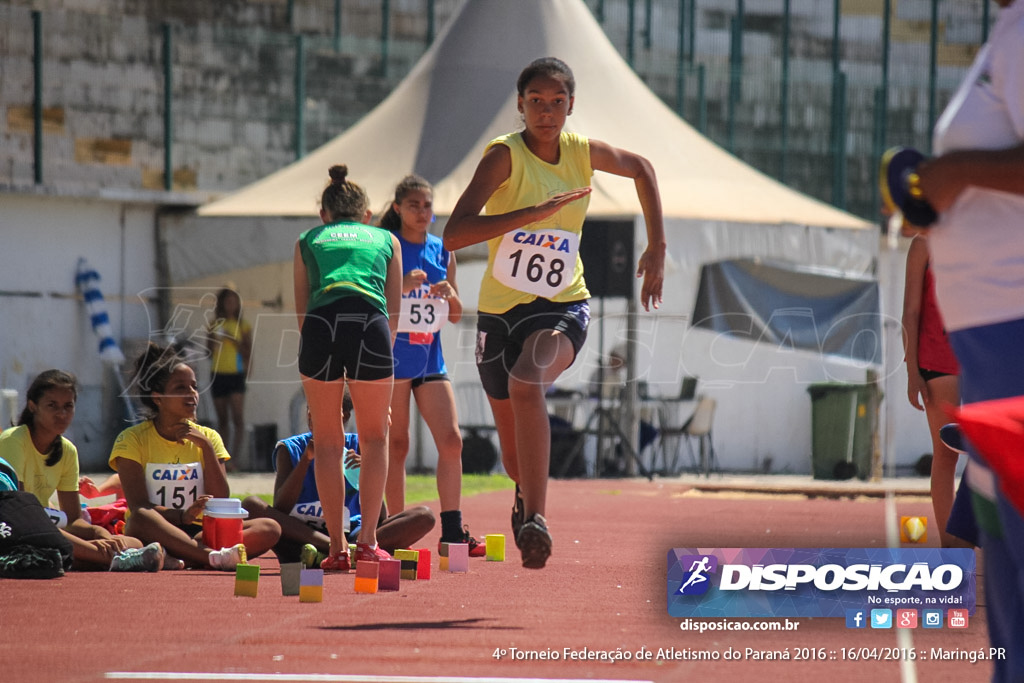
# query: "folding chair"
699, 428
673, 433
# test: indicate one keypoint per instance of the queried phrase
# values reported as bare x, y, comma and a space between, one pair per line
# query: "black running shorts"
500, 337
348, 337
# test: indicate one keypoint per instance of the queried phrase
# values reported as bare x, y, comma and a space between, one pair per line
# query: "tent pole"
681, 62
784, 92
168, 108
300, 97
37, 95
630, 418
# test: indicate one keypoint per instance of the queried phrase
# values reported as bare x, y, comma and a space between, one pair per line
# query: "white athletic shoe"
226, 559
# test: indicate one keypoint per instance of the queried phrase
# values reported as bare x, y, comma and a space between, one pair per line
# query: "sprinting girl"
430, 298
533, 300
45, 461
169, 466
348, 285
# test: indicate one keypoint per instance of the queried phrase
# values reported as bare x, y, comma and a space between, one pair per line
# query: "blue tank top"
296, 446
418, 354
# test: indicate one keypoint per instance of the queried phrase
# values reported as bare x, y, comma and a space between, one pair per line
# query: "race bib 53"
422, 312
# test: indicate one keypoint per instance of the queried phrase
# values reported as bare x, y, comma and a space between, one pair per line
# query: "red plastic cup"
222, 523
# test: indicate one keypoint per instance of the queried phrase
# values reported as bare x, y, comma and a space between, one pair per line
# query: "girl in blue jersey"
297, 505
533, 300
430, 298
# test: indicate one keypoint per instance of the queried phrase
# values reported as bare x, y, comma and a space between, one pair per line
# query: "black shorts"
225, 385
347, 338
929, 375
437, 377
500, 336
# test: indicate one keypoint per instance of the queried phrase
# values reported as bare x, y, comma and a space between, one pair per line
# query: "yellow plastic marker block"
409, 560
311, 593
442, 556
913, 529
495, 544
247, 578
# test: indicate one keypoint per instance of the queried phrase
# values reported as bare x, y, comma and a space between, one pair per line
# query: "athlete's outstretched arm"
466, 226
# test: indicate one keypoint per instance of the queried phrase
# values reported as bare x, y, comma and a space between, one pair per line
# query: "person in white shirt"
976, 184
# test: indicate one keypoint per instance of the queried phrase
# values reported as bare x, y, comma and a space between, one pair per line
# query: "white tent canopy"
462, 94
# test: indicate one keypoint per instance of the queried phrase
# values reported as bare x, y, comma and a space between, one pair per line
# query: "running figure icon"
697, 573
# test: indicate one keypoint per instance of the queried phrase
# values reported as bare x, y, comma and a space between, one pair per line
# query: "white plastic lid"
229, 508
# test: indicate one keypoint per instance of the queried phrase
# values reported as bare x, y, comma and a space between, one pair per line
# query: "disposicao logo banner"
816, 582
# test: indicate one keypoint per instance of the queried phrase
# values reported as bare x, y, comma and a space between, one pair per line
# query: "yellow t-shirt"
227, 355
16, 447
540, 259
174, 475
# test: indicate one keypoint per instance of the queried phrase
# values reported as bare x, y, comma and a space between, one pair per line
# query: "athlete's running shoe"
364, 553
226, 559
518, 515
338, 562
534, 542
310, 557
148, 559
476, 548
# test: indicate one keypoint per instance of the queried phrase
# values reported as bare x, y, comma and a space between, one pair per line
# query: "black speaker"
607, 252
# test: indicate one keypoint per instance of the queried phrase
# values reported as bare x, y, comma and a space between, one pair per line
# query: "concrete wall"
233, 79
234, 94
45, 323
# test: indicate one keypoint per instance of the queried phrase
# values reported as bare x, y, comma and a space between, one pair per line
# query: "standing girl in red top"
932, 381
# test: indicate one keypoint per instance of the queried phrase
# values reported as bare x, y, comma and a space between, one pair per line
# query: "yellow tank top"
539, 259
227, 355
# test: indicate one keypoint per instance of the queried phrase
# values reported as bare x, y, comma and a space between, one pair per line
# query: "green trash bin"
843, 425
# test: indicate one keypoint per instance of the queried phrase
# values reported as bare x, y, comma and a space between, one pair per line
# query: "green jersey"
346, 259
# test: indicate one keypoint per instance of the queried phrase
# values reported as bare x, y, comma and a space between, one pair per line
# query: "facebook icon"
856, 618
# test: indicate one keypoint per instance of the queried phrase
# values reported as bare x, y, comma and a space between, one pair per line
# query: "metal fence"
808, 91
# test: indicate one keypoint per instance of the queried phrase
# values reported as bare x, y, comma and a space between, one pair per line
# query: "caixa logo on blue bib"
697, 579
816, 582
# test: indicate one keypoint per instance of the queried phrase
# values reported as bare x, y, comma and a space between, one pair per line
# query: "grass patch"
423, 487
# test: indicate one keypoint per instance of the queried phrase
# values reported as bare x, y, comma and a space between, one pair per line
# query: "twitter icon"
881, 618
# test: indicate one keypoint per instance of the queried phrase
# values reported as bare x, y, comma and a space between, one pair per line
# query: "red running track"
603, 590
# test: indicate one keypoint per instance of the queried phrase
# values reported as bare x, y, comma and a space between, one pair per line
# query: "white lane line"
904, 640
340, 678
